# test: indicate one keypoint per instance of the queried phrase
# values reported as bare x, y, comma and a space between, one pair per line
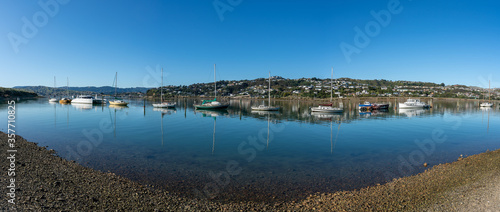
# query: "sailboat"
325, 108
487, 104
163, 104
116, 101
212, 104
53, 99
65, 100
268, 107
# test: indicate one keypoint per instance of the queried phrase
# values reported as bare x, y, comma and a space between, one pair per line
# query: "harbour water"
237, 154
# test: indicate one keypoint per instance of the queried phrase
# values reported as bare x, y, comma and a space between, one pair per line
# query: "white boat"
323, 108
327, 109
268, 107
54, 99
87, 99
487, 104
117, 101
413, 103
163, 104
212, 104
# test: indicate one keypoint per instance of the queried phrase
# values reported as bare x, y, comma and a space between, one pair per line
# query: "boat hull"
326, 110
118, 103
486, 104
211, 107
404, 106
65, 101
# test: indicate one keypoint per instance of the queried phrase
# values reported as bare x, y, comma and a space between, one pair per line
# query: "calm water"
266, 156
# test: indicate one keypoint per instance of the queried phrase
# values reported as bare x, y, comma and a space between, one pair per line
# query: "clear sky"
455, 42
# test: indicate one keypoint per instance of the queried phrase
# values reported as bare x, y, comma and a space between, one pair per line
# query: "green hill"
13, 93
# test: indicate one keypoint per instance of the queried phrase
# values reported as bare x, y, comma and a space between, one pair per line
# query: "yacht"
413, 103
87, 99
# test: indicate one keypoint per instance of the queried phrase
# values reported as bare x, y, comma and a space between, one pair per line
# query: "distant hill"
61, 91
10, 92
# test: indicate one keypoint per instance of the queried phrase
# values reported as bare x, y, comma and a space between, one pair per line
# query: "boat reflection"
81, 106
263, 113
164, 111
325, 116
412, 112
212, 113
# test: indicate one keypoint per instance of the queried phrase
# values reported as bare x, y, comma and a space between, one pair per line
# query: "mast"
269, 89
67, 86
489, 88
331, 87
161, 88
116, 82
215, 85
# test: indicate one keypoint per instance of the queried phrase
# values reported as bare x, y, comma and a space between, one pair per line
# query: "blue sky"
88, 41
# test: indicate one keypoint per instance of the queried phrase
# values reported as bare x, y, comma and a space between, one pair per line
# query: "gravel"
47, 182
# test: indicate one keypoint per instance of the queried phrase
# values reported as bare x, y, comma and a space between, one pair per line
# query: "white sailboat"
268, 107
116, 101
53, 99
163, 104
212, 104
487, 104
328, 108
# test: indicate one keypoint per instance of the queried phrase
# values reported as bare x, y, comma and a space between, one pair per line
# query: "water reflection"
81, 106
412, 112
296, 160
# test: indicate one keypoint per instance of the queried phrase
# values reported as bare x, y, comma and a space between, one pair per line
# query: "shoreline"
45, 181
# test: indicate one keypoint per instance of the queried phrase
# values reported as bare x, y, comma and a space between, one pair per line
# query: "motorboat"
413, 103
88, 99
65, 100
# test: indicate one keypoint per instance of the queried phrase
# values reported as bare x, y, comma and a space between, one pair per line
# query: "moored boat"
413, 103
212, 104
163, 104
87, 99
487, 104
328, 107
66, 100
117, 101
268, 107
